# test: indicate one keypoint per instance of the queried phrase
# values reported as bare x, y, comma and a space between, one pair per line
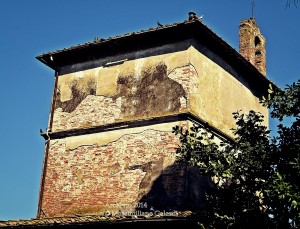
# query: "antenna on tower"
252, 3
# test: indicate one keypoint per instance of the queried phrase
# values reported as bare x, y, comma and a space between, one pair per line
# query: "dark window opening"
256, 41
258, 53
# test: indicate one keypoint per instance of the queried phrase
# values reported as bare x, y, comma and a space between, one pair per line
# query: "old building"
109, 142
253, 44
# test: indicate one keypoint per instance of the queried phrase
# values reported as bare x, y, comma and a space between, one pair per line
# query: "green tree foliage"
256, 177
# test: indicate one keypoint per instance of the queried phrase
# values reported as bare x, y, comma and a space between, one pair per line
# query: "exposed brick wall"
92, 111
94, 178
253, 44
135, 98
135, 168
187, 76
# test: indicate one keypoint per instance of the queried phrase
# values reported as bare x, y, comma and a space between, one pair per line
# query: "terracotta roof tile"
119, 36
91, 218
215, 42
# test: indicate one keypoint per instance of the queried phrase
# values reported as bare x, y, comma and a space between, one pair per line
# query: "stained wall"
121, 168
128, 91
221, 93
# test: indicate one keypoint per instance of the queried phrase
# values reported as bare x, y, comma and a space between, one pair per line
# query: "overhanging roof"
154, 37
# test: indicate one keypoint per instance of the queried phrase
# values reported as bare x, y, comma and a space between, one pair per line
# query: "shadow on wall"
178, 188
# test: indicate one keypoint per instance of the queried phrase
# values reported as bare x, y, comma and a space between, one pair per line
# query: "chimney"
192, 16
253, 44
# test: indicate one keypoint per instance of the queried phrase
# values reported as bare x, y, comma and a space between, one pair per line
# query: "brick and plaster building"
109, 141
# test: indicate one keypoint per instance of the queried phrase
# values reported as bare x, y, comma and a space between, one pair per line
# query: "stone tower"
253, 44
109, 141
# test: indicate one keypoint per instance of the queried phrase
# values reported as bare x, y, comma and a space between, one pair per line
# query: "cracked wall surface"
142, 88
153, 87
90, 174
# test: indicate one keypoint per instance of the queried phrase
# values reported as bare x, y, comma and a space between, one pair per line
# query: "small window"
256, 41
258, 53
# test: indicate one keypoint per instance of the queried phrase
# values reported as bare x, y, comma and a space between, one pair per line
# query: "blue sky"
29, 28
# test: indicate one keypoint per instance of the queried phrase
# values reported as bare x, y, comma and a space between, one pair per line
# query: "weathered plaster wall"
110, 170
220, 94
104, 171
185, 81
146, 87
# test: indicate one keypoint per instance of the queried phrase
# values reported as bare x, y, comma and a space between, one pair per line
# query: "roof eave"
153, 36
